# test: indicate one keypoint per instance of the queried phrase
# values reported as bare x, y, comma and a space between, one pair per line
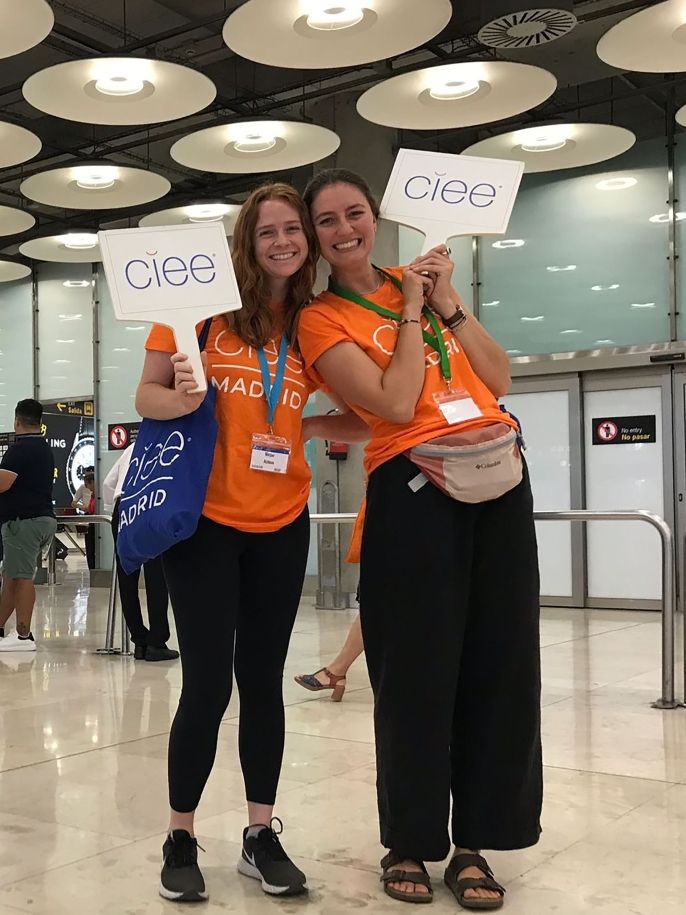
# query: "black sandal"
392, 874
460, 886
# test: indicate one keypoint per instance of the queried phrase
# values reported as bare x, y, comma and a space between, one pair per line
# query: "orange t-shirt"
331, 319
250, 500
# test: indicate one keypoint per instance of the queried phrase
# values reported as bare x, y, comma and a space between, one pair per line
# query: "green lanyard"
435, 339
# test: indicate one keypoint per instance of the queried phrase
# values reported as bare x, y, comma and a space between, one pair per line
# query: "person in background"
236, 583
333, 675
448, 576
150, 643
84, 501
27, 472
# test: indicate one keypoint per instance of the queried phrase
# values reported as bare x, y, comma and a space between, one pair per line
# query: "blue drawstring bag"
165, 485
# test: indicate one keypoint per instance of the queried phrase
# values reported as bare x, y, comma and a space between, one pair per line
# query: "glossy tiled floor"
83, 780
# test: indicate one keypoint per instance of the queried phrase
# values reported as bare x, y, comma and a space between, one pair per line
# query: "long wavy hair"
256, 323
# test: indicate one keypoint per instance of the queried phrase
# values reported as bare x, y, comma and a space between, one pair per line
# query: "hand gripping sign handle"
187, 342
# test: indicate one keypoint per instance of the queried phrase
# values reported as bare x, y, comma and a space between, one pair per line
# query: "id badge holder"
457, 406
270, 453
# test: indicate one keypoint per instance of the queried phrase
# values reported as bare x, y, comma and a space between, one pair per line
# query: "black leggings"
229, 586
449, 608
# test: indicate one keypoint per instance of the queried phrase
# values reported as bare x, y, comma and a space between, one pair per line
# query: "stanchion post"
52, 562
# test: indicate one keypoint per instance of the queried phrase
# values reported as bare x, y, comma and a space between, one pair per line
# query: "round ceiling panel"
554, 146
314, 34
23, 25
652, 41
255, 146
95, 186
119, 90
13, 221
195, 214
456, 95
73, 247
17, 145
12, 270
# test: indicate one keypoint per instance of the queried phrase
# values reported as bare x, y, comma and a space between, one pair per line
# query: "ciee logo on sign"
452, 191
443, 195
145, 487
141, 273
174, 275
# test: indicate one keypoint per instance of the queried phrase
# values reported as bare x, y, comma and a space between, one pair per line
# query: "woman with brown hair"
448, 562
235, 584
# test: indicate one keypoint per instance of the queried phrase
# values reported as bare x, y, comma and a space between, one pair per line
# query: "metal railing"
667, 699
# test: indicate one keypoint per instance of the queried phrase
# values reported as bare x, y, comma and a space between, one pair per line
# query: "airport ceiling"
190, 32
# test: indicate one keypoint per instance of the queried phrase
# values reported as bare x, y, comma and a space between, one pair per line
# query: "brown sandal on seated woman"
313, 683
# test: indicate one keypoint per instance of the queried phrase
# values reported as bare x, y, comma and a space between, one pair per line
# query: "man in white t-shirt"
150, 643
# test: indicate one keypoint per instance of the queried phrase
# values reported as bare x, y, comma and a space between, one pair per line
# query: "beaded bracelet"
408, 321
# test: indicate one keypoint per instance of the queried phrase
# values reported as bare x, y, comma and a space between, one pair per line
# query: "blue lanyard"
272, 392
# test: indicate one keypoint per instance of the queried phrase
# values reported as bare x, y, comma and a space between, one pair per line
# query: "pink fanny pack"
476, 465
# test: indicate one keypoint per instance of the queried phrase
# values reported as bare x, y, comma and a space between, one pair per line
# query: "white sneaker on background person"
14, 642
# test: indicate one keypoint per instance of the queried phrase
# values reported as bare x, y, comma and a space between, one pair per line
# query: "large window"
584, 263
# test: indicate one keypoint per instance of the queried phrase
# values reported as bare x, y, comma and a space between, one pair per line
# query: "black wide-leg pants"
450, 617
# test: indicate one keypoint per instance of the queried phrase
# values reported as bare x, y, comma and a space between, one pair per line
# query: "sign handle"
187, 342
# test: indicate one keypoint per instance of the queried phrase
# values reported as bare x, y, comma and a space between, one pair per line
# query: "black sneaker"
181, 878
264, 859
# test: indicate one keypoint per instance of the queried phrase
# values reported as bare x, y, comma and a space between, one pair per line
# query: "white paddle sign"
172, 275
444, 195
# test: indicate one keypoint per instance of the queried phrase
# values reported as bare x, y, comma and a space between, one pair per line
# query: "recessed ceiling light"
207, 212
491, 304
509, 243
65, 341
571, 330
61, 362
664, 217
332, 16
255, 142
78, 241
643, 304
561, 269
454, 89
119, 85
605, 343
616, 184
76, 284
121, 349
605, 288
544, 139
96, 177
532, 318
514, 352
72, 317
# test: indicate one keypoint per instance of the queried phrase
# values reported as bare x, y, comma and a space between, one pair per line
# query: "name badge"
457, 407
270, 453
